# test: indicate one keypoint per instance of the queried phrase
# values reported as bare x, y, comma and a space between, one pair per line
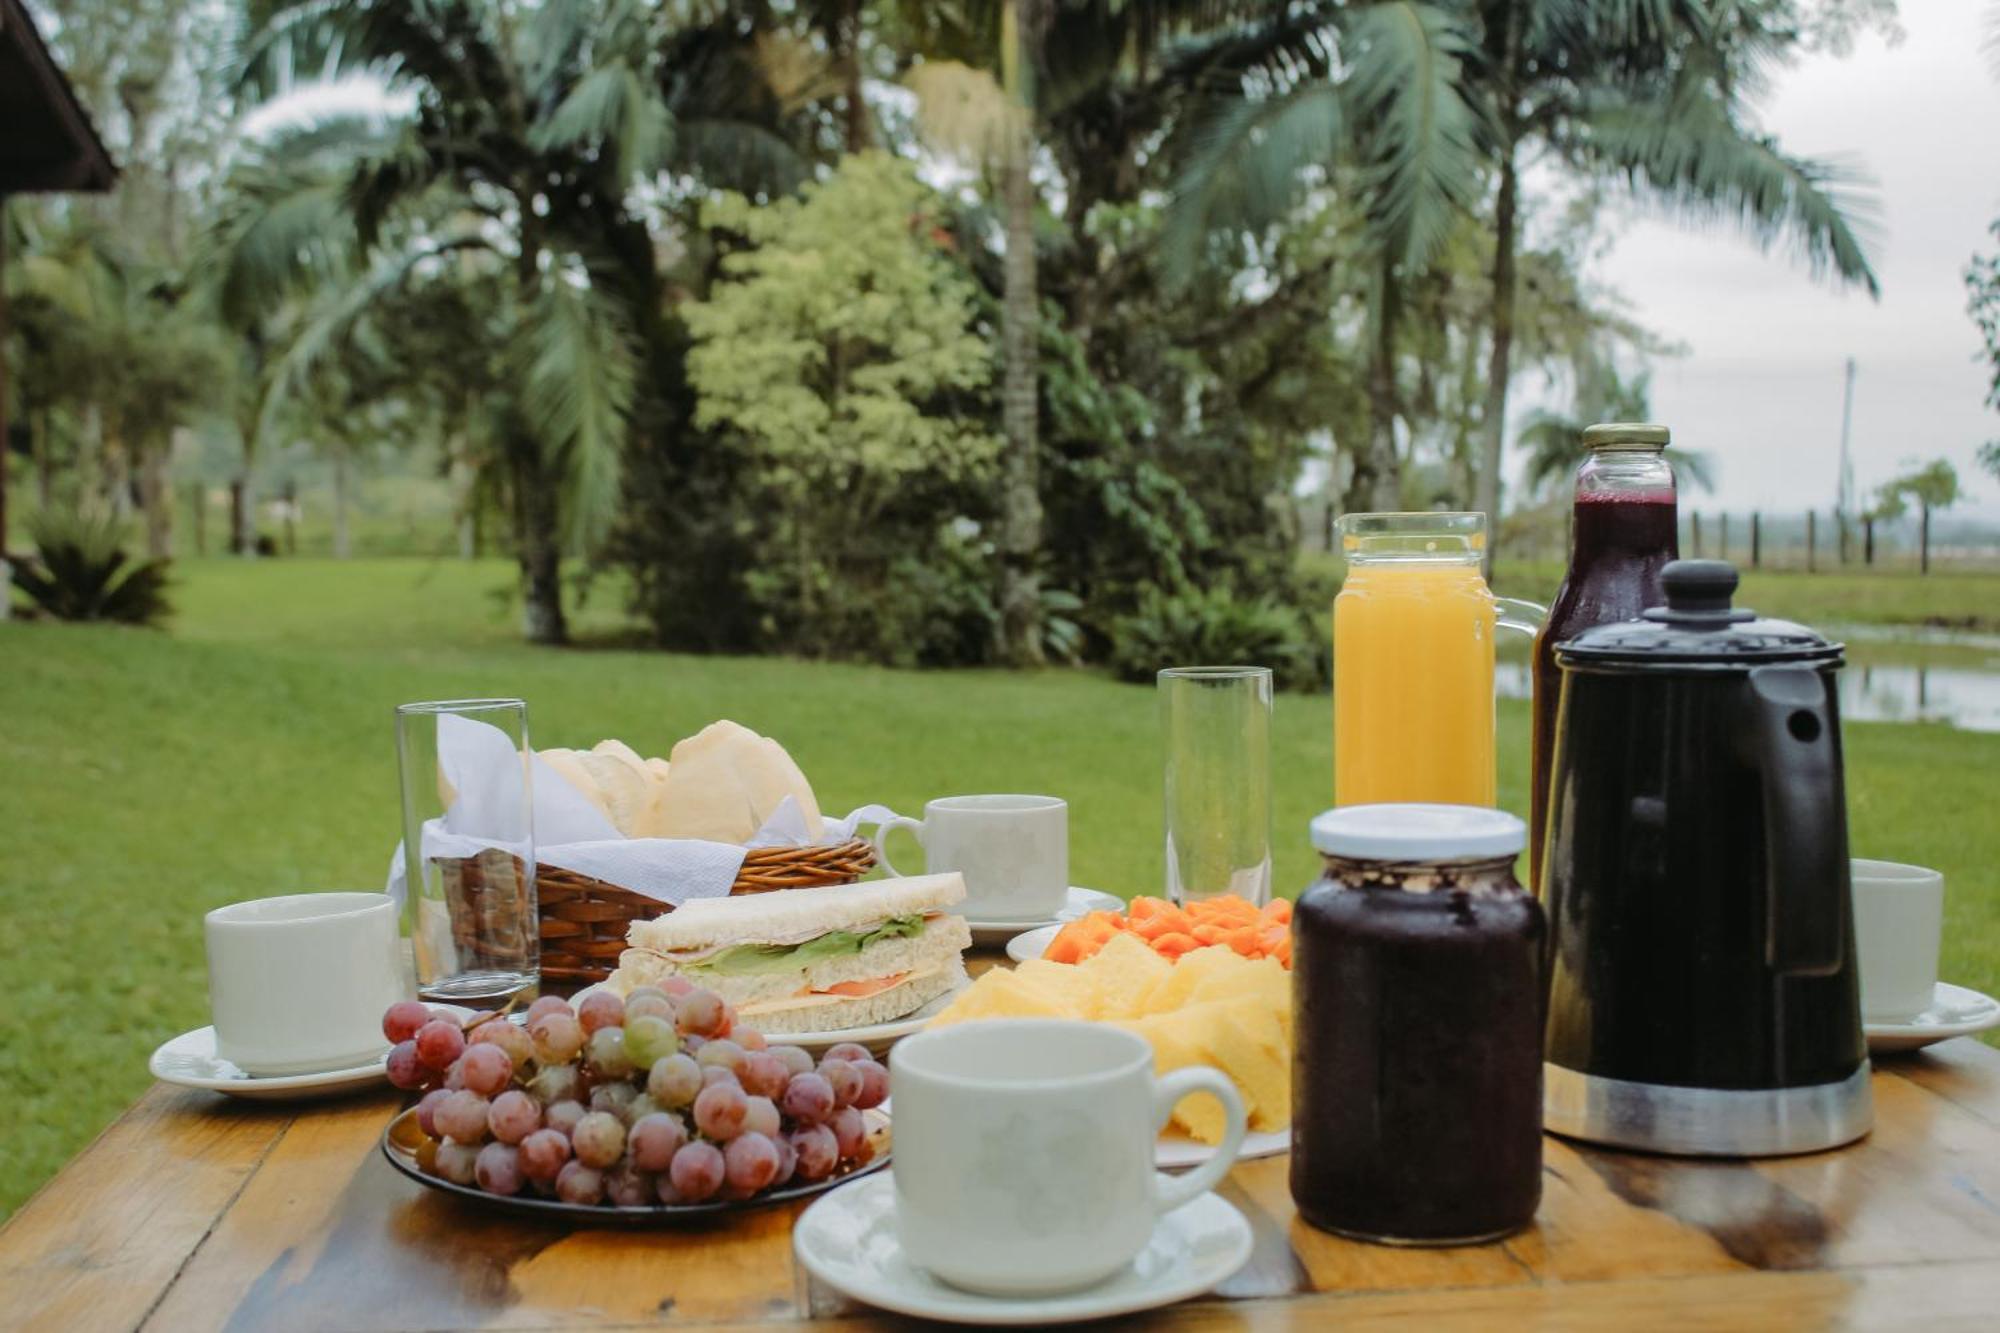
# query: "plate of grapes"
653, 1108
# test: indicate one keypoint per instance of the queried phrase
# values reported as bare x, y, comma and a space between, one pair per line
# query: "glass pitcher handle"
1515, 614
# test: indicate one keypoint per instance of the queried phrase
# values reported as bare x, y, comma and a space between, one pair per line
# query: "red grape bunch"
660, 1097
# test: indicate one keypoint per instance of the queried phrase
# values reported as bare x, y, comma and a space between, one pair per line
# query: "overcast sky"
1760, 386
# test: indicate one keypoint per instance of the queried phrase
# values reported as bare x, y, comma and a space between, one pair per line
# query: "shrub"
81, 570
1217, 628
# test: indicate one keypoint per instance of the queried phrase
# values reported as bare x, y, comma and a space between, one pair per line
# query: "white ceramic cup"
1898, 923
1024, 1151
1012, 850
297, 984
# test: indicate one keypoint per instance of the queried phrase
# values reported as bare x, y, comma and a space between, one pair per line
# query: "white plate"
1079, 902
877, 1037
1177, 1150
1033, 944
190, 1061
847, 1239
1955, 1011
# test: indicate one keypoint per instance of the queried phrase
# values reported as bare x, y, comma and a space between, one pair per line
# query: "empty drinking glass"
1216, 723
468, 854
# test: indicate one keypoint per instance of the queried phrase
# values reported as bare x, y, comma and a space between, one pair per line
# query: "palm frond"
1687, 152
579, 374
330, 322
275, 48
1420, 158
615, 111
963, 111
739, 155
1246, 163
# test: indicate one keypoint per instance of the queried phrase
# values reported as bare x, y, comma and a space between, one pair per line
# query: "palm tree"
533, 133
1554, 439
999, 75
1424, 107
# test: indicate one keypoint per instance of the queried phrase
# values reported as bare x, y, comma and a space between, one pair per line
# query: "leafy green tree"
534, 134
1982, 301
1421, 108
1554, 439
839, 350
1934, 485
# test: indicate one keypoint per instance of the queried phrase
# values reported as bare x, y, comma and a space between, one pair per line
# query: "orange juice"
1413, 682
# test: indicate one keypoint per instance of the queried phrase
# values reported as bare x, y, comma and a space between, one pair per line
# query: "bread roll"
725, 781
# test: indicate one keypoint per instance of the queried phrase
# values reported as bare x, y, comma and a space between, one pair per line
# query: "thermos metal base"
1706, 1122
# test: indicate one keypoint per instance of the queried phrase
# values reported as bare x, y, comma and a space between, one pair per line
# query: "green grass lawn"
146, 777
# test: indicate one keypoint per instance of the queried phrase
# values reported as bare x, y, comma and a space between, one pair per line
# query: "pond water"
1888, 684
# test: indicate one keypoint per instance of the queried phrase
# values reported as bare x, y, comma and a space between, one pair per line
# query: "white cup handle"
1170, 1192
882, 830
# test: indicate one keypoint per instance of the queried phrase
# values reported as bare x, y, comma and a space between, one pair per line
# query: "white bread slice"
622, 782
566, 765
825, 1014
652, 818
725, 780
941, 943
792, 916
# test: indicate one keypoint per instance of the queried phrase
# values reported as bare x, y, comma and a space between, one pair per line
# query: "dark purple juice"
1620, 543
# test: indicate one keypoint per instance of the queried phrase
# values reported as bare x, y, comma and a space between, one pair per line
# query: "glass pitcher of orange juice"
1413, 631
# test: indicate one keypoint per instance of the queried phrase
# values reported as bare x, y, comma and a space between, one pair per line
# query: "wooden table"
194, 1211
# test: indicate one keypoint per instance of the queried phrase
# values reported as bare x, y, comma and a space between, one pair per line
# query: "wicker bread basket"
583, 920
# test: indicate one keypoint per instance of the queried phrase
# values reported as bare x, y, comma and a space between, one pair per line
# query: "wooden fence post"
1756, 540
1812, 537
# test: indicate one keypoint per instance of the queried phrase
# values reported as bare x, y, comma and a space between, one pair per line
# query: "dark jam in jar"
1417, 990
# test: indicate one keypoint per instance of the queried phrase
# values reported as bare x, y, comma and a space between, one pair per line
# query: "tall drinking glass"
1216, 721
469, 849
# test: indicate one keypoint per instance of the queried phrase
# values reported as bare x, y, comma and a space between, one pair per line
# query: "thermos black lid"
1698, 627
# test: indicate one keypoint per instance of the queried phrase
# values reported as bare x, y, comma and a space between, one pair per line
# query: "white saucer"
1955, 1011
1032, 944
847, 1239
1177, 1150
877, 1037
190, 1061
991, 932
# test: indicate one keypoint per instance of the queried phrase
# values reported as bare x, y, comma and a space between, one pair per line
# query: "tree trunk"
340, 546
537, 547
1020, 500
856, 105
45, 466
1377, 483
242, 519
1924, 541
117, 473
156, 500
1500, 361
198, 495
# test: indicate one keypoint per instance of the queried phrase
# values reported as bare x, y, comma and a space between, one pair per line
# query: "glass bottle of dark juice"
1417, 998
1626, 528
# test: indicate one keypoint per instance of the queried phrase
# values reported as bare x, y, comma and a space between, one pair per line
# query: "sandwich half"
810, 960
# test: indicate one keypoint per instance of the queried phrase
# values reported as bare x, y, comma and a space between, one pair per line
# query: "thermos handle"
1796, 746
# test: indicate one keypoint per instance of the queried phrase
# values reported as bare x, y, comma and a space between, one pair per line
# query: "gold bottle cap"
1626, 435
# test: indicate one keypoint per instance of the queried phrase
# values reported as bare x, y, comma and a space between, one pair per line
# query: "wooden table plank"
196, 1212
97, 1245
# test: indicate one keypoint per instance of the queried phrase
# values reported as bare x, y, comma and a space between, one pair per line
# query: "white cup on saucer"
1012, 850
298, 984
1024, 1151
1898, 924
